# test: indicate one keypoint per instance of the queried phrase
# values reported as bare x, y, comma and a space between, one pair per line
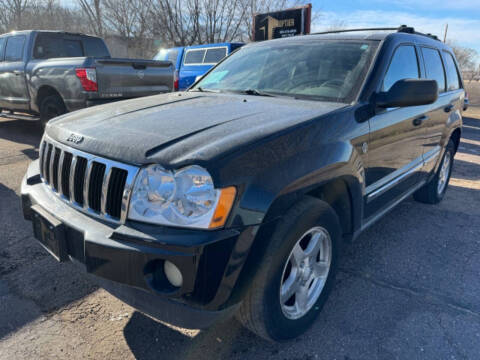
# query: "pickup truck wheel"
434, 191
51, 107
297, 274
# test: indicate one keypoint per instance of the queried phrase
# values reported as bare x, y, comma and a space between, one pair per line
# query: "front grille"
98, 186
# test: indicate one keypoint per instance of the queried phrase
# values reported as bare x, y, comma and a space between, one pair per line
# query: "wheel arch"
43, 92
455, 136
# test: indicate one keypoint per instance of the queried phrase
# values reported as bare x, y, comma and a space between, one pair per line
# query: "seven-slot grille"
95, 185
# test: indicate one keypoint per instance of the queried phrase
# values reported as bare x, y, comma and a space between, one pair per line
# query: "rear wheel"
50, 107
296, 275
434, 191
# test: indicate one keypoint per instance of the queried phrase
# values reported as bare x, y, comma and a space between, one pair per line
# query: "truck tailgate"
133, 78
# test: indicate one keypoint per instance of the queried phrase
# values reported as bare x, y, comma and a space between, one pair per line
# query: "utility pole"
446, 30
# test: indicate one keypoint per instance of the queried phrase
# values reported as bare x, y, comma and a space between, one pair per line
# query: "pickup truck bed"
50, 73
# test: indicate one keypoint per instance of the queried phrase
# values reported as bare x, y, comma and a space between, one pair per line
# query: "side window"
213, 56
453, 80
73, 48
47, 46
404, 65
2, 46
434, 67
194, 57
14, 49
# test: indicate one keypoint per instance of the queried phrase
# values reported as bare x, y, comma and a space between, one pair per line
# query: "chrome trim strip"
104, 194
50, 167
61, 159
432, 154
86, 182
132, 172
376, 217
383, 185
71, 183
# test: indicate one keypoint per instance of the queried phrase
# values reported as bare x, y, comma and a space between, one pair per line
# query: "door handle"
17, 72
448, 108
419, 120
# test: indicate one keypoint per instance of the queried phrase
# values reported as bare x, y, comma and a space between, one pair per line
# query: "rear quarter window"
453, 78
95, 47
434, 67
194, 57
214, 55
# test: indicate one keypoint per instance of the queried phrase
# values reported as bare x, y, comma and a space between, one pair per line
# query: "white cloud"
465, 32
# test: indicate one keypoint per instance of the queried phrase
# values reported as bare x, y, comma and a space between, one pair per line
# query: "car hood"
180, 127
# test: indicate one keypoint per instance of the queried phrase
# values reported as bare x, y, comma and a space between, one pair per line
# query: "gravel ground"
408, 287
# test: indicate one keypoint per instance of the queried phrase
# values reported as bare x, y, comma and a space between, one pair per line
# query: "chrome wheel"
305, 272
444, 173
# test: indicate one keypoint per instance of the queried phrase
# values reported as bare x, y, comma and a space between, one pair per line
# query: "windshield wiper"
256, 92
199, 88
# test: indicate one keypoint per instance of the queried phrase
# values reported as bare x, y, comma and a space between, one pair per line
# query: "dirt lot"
408, 288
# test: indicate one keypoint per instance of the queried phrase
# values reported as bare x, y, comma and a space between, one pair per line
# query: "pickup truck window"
214, 55
49, 46
2, 46
434, 67
404, 65
14, 49
194, 57
453, 80
318, 70
95, 47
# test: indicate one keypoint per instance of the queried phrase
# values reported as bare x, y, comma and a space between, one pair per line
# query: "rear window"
194, 57
434, 67
95, 47
14, 49
214, 55
453, 79
49, 46
2, 45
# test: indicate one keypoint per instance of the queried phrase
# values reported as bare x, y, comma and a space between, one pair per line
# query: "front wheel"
297, 274
434, 191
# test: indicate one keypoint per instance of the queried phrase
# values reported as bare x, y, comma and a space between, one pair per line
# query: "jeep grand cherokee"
235, 196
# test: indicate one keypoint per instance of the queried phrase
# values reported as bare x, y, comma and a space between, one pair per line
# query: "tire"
262, 310
434, 191
50, 107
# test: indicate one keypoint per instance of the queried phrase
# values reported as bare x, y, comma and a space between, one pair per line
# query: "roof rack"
402, 28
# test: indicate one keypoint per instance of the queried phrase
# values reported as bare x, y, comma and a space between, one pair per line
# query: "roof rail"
402, 28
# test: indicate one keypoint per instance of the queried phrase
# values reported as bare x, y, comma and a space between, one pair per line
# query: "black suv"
236, 196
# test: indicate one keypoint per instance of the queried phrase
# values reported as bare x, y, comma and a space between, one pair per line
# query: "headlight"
185, 198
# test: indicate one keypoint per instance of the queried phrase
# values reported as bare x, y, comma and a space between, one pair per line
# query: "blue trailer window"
194, 57
214, 55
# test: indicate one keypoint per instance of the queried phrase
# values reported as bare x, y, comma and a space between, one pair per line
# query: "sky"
429, 16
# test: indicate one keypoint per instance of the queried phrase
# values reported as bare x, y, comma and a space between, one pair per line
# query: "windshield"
331, 70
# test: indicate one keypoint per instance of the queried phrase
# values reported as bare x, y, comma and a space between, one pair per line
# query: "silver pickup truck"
48, 73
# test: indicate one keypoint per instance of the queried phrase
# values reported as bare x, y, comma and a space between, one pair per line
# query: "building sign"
285, 23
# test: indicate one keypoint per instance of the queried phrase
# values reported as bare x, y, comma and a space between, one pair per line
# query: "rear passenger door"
13, 91
435, 123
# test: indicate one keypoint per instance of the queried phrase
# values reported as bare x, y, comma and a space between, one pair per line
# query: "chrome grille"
97, 186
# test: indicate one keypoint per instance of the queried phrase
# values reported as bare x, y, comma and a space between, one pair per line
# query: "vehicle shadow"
32, 283
21, 131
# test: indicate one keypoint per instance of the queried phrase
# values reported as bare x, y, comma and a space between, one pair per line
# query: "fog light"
173, 274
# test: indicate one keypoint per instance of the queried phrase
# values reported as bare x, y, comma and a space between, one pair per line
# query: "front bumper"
128, 259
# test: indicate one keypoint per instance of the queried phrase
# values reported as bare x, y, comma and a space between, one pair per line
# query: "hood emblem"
74, 138
141, 74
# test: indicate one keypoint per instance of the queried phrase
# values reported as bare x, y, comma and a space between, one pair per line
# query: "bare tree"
93, 11
466, 57
12, 13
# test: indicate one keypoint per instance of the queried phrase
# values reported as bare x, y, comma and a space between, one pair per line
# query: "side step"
19, 116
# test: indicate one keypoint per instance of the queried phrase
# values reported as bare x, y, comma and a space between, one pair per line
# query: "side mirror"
408, 92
